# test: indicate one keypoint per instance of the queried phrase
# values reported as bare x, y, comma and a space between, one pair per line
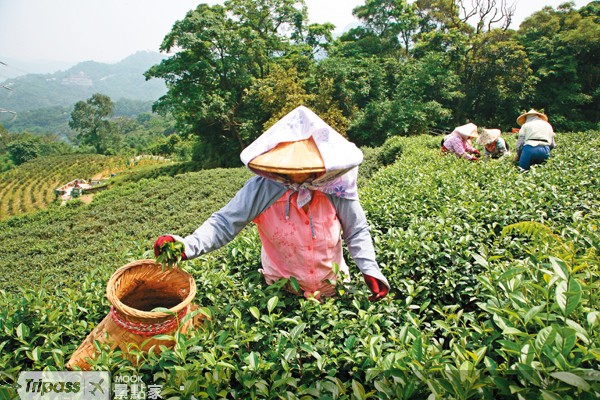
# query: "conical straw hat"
488, 136
469, 129
290, 157
521, 119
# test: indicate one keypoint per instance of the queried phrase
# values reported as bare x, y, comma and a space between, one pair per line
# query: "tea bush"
390, 150
495, 277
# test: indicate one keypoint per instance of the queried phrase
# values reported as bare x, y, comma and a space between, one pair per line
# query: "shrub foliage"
495, 277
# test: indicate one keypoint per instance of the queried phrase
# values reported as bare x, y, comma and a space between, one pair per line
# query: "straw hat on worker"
302, 144
523, 117
469, 130
488, 136
494, 145
301, 157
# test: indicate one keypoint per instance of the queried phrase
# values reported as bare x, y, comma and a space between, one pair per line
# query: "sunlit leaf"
272, 303
571, 379
254, 311
568, 295
545, 337
559, 268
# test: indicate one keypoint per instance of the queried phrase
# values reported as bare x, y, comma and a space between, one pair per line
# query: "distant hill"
123, 80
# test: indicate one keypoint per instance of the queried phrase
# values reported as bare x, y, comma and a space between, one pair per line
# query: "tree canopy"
91, 119
409, 68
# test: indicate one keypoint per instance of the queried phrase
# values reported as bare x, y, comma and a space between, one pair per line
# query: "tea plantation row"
495, 277
30, 186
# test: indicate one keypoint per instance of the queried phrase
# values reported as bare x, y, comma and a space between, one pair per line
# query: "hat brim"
523, 117
468, 130
287, 171
488, 136
290, 158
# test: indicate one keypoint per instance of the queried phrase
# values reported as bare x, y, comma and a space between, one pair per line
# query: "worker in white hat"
494, 146
458, 142
303, 200
536, 139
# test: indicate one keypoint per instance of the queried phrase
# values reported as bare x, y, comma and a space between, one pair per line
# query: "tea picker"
494, 146
303, 200
458, 142
535, 141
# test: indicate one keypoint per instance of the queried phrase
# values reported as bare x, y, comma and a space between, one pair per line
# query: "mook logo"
132, 387
64, 385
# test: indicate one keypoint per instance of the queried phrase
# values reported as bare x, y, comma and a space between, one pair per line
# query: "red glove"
377, 287
474, 159
476, 152
160, 242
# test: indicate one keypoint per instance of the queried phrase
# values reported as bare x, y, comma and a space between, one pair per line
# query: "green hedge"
495, 277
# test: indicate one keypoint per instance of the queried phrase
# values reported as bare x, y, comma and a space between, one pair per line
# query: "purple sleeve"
468, 147
454, 144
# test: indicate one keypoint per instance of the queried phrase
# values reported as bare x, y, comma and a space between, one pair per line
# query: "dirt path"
86, 198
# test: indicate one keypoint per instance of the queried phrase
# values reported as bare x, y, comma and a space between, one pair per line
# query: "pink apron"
289, 249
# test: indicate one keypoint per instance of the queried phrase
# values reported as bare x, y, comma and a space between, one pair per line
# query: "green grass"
495, 277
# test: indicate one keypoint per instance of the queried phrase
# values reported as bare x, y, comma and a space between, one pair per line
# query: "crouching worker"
494, 145
458, 142
535, 141
303, 199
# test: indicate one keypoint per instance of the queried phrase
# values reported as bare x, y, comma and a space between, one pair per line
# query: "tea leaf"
547, 395
272, 303
559, 267
572, 380
568, 294
545, 337
295, 285
593, 318
254, 311
162, 310
171, 254
22, 331
532, 312
480, 260
295, 333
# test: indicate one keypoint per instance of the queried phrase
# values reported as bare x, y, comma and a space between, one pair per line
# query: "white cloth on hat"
469, 129
340, 156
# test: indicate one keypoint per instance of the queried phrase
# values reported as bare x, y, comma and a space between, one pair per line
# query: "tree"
23, 150
393, 21
281, 91
493, 78
564, 48
497, 81
353, 82
420, 100
474, 16
90, 119
221, 51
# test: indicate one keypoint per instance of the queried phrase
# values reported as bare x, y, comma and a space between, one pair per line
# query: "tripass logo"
64, 385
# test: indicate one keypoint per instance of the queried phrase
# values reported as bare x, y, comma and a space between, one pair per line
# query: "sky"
56, 34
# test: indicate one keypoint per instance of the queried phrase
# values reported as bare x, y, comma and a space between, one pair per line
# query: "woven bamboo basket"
133, 291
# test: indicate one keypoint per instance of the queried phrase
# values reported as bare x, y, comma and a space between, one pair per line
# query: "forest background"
408, 69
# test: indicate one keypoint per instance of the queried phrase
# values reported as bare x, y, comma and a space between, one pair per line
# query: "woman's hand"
160, 242
377, 287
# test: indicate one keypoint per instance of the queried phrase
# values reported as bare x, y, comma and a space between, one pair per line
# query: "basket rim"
133, 312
